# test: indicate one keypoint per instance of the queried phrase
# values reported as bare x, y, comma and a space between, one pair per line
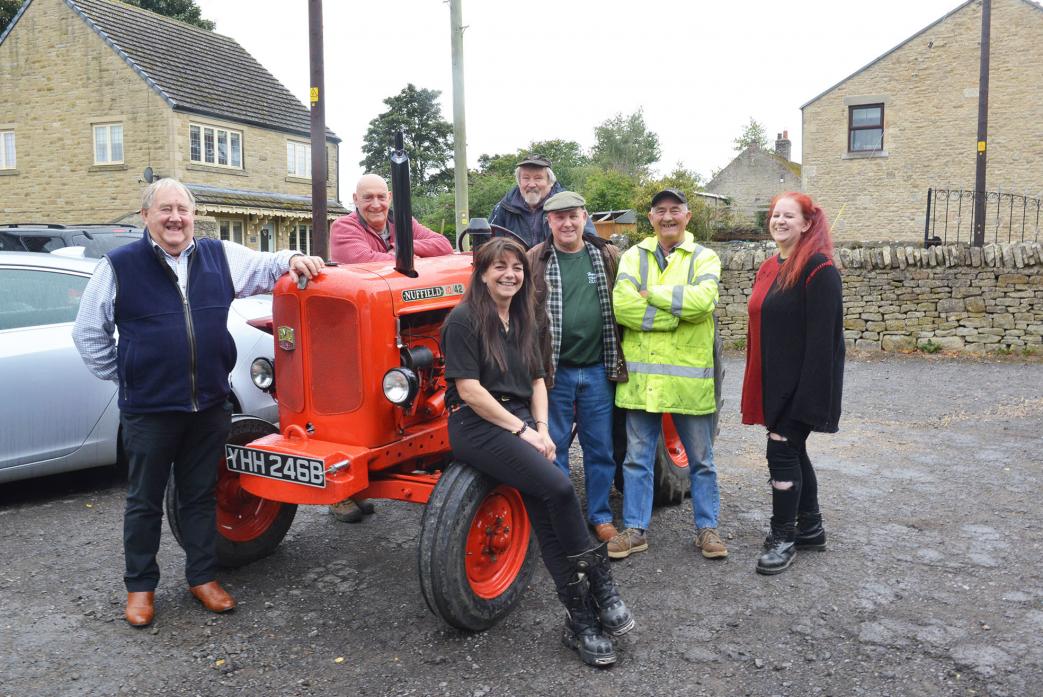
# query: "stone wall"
898, 297
929, 88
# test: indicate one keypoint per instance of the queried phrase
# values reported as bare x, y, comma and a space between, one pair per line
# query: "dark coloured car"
96, 240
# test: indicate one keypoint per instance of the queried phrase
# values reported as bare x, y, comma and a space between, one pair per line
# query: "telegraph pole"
459, 115
983, 127
320, 235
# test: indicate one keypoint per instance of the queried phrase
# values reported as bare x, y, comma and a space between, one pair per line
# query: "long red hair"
815, 241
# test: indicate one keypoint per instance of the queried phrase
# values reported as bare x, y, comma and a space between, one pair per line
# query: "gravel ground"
931, 584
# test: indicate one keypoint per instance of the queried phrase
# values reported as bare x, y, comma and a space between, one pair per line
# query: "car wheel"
475, 555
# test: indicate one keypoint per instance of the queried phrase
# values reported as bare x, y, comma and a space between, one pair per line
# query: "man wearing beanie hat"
573, 273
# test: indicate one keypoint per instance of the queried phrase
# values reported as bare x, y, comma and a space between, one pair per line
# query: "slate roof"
196, 70
221, 200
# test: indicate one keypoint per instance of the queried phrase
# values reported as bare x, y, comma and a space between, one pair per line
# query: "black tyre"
248, 528
475, 556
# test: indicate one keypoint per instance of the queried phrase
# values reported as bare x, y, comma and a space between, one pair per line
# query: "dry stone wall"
899, 297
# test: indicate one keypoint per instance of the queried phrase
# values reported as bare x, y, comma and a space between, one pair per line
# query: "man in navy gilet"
168, 295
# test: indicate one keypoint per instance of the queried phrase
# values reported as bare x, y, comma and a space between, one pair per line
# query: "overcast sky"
546, 69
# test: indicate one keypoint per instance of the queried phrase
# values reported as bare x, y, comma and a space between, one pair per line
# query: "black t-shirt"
465, 357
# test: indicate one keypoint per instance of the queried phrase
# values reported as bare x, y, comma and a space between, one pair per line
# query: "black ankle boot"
613, 613
810, 533
583, 632
780, 549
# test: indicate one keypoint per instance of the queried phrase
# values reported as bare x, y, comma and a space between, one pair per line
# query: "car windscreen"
101, 243
23, 242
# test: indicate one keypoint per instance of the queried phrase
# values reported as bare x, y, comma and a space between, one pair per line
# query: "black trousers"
547, 493
788, 461
193, 444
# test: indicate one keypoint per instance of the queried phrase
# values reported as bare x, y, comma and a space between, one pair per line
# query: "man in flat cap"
665, 295
573, 273
521, 210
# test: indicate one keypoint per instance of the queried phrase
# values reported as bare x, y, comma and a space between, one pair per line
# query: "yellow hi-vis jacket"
668, 336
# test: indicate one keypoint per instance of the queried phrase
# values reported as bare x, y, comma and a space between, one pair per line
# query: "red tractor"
359, 378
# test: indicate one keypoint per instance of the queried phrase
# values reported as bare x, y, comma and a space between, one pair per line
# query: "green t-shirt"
581, 311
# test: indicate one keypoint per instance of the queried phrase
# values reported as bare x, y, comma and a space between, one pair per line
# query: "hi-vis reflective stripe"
628, 277
677, 301
706, 277
644, 271
675, 371
648, 321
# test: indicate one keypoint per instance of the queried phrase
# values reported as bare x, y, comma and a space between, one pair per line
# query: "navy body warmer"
173, 354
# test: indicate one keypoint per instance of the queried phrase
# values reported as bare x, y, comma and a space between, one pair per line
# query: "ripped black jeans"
794, 487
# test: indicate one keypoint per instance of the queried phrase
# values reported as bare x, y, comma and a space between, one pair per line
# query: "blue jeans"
696, 432
585, 395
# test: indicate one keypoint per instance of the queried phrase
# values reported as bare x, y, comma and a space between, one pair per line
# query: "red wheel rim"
497, 543
672, 441
241, 516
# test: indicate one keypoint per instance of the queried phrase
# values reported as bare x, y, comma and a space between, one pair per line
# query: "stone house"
99, 95
876, 141
753, 178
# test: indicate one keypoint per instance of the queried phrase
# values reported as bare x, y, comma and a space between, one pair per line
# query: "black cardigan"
802, 348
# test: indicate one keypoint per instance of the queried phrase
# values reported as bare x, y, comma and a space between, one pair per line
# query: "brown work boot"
605, 531
140, 608
710, 543
214, 597
626, 543
351, 510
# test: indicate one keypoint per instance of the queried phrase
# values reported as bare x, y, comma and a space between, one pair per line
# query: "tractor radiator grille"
335, 354
289, 372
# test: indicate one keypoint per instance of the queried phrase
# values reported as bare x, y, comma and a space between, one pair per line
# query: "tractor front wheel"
248, 527
475, 558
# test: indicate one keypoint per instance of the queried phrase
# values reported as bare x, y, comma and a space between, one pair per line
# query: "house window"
220, 147
108, 144
7, 158
300, 238
231, 230
298, 159
865, 128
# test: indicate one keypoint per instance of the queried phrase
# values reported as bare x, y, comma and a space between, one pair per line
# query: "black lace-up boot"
780, 549
810, 533
613, 613
583, 632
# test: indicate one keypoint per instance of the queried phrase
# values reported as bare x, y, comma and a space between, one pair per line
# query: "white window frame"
8, 159
298, 154
300, 232
228, 136
108, 157
232, 230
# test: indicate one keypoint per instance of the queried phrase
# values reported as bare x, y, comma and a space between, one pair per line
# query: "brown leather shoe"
140, 608
605, 531
214, 597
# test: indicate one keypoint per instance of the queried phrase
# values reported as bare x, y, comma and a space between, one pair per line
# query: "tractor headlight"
400, 386
262, 372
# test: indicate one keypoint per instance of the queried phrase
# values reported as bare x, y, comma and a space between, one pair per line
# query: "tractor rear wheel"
248, 528
475, 555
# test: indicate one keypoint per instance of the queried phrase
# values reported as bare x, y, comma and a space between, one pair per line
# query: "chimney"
783, 146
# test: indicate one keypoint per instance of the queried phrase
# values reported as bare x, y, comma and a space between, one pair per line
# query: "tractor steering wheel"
495, 231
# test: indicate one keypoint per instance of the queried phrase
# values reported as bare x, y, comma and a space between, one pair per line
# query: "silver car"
55, 415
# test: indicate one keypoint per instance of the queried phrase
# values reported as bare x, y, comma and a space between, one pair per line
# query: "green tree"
752, 134
625, 144
428, 139
182, 10
8, 9
610, 190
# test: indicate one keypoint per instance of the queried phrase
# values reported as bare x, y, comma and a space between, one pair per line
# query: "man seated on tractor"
521, 210
572, 274
368, 234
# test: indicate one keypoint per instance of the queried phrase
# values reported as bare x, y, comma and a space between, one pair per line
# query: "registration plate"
285, 468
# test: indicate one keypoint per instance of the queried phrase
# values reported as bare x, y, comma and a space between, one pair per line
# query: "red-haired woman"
498, 425
794, 369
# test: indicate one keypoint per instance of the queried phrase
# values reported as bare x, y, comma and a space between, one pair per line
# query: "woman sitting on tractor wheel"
498, 425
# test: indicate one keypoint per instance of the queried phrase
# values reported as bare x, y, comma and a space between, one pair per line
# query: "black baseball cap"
671, 193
